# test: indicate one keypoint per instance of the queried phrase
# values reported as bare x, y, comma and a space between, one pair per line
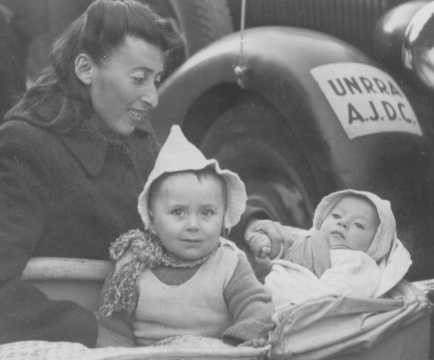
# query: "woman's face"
123, 87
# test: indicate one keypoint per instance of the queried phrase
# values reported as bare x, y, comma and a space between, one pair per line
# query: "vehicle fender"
279, 62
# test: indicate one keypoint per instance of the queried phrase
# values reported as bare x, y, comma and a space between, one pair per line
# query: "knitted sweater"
222, 299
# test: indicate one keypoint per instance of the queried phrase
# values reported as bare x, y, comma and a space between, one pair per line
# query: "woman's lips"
139, 115
136, 116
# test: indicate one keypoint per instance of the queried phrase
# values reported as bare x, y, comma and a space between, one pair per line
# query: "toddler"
179, 276
352, 250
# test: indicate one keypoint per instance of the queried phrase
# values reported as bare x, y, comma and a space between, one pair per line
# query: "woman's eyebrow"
148, 69
142, 68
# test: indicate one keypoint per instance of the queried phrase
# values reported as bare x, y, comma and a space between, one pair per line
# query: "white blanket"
352, 273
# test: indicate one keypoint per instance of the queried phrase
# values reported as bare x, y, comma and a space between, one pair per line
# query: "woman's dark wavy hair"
99, 31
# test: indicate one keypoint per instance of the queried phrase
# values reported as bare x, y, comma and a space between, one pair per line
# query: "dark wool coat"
61, 194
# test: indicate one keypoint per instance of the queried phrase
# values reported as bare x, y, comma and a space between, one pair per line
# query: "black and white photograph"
216, 179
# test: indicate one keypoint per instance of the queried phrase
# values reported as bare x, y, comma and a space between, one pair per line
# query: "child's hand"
260, 244
273, 230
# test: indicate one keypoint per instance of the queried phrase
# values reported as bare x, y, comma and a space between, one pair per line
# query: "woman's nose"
150, 95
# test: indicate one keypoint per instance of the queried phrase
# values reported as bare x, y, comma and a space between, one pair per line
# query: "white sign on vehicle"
365, 99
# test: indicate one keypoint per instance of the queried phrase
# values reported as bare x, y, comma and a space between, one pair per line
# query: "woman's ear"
84, 68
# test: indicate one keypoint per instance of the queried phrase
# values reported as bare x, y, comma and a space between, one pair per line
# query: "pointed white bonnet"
178, 154
386, 232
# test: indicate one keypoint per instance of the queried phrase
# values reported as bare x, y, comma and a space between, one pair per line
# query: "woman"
74, 154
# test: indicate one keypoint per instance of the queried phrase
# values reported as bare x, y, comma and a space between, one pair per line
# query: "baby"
179, 276
352, 250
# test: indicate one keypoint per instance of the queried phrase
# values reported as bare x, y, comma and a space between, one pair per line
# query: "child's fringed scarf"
140, 250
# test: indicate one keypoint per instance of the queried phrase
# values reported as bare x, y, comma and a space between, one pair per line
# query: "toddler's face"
187, 214
351, 224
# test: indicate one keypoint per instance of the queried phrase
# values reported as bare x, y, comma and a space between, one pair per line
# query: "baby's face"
351, 224
187, 214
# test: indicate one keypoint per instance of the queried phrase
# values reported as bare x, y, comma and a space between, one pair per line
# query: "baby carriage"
328, 327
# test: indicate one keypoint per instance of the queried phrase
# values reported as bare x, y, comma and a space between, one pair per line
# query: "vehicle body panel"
279, 62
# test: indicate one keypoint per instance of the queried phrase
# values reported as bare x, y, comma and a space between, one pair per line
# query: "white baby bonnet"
178, 154
386, 249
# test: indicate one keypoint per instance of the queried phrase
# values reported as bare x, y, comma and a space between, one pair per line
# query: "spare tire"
251, 138
202, 21
350, 20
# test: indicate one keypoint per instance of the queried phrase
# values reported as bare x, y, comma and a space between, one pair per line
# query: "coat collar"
89, 145
55, 112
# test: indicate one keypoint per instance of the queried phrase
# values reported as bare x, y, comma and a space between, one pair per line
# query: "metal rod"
241, 67
242, 26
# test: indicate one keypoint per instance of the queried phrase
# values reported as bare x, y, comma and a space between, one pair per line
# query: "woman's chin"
124, 130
